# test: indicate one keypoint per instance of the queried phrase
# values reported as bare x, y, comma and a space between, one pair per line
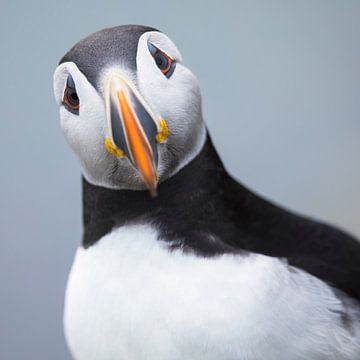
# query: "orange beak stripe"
137, 143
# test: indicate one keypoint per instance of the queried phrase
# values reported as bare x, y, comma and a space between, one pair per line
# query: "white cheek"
178, 98
183, 101
178, 101
86, 131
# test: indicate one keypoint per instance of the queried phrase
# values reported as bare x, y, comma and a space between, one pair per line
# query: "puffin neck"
105, 209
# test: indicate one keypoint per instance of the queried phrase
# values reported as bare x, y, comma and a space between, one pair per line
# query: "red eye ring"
163, 61
167, 64
71, 99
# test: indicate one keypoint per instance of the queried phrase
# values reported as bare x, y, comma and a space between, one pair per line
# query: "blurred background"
281, 89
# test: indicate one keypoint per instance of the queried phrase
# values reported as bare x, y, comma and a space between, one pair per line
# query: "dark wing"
320, 249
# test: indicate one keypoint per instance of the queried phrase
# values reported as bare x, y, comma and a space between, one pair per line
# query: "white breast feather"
130, 298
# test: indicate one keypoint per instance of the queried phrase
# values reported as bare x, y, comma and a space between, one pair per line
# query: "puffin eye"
70, 99
163, 61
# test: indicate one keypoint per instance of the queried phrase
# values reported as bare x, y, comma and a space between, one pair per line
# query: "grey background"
281, 88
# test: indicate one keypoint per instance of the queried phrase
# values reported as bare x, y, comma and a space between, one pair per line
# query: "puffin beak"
132, 128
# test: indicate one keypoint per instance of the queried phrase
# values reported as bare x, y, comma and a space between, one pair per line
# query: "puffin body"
178, 260
133, 299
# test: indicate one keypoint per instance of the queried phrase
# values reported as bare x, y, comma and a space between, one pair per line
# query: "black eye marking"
163, 61
70, 99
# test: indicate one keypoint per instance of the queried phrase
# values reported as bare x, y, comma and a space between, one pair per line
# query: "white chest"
129, 298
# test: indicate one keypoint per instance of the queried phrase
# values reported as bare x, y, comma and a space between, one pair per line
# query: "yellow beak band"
112, 148
163, 133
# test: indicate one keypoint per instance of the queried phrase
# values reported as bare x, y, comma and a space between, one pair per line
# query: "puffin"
178, 260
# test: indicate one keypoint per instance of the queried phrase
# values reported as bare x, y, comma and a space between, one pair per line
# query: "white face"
175, 98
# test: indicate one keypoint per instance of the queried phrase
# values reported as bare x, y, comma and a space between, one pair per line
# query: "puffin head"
129, 107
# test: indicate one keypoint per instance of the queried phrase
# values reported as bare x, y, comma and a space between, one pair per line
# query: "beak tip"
153, 192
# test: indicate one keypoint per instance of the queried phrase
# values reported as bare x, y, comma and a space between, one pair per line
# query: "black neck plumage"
203, 210
182, 201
